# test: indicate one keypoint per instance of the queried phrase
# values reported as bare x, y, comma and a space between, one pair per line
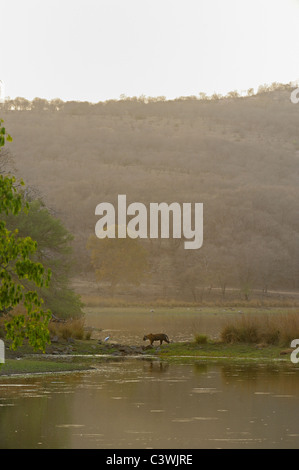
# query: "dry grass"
98, 301
70, 329
278, 329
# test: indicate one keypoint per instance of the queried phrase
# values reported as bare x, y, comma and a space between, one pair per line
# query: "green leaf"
17, 268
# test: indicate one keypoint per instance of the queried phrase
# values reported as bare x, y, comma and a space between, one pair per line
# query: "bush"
200, 339
64, 303
88, 335
230, 334
273, 329
249, 334
70, 329
245, 332
272, 337
66, 332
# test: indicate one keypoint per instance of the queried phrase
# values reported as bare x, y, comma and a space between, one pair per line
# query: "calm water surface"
142, 404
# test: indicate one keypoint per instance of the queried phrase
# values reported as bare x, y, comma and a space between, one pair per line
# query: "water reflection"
151, 404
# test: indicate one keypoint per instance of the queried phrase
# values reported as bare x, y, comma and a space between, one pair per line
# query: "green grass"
220, 350
173, 352
206, 350
34, 366
200, 339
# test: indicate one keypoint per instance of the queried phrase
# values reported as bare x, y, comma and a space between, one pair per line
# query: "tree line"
84, 107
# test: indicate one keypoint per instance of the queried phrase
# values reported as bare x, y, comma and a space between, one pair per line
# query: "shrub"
244, 332
70, 329
66, 332
249, 334
272, 336
270, 329
230, 334
88, 335
200, 339
78, 329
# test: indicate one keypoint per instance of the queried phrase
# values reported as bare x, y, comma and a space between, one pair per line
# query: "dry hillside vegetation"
239, 156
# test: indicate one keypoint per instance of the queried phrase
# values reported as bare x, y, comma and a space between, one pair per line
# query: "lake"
143, 404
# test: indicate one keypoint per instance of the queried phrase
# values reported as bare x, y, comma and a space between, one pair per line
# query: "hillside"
239, 156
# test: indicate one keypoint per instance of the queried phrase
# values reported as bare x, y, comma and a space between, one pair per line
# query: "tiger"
156, 337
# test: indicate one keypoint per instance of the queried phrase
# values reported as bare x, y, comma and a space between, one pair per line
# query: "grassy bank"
206, 333
215, 350
25, 363
128, 325
39, 366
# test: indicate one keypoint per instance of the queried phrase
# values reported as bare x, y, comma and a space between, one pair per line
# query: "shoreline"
86, 353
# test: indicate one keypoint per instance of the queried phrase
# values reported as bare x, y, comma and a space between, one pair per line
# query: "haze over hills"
237, 155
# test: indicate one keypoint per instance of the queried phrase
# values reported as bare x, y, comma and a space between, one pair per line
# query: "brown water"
129, 325
143, 404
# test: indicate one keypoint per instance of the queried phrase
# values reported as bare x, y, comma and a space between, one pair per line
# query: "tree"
118, 260
203, 96
56, 104
53, 248
17, 266
21, 104
39, 105
233, 94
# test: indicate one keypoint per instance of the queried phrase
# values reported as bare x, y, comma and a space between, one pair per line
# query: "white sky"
99, 49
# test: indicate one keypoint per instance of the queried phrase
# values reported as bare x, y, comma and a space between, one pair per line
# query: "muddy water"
128, 326
142, 404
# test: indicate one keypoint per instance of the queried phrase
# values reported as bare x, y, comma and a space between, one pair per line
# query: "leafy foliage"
16, 268
3, 135
53, 248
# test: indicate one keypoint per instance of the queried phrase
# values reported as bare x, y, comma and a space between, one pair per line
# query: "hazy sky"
99, 49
